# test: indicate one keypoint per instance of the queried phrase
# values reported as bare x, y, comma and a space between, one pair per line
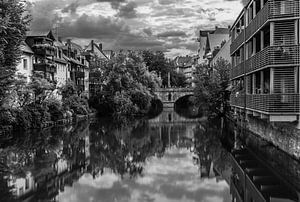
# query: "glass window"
25, 63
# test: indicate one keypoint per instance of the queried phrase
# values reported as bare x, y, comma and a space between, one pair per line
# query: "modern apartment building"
265, 60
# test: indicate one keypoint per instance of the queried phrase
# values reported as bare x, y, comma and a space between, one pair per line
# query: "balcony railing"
44, 67
273, 103
274, 55
237, 99
237, 42
268, 103
273, 9
237, 71
44, 49
79, 74
261, 17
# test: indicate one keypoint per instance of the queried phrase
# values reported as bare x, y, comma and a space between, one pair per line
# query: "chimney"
92, 45
69, 42
100, 46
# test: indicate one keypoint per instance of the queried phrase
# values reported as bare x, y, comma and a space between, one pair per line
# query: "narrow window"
25, 64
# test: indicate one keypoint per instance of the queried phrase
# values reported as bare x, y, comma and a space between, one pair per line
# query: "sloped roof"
89, 48
183, 61
204, 33
215, 40
25, 48
40, 34
221, 30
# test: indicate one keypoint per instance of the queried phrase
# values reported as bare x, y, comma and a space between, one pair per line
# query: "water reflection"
168, 158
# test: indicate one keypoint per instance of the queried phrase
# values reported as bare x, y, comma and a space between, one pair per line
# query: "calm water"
168, 158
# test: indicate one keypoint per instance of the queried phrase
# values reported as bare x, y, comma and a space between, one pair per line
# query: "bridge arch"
169, 96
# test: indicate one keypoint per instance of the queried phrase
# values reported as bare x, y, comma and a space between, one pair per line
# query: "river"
165, 159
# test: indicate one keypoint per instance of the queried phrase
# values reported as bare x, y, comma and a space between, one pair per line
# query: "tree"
211, 84
157, 62
41, 87
128, 87
13, 26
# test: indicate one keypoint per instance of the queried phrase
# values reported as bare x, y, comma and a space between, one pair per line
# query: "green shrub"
55, 109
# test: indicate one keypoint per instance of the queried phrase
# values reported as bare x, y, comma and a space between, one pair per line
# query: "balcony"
274, 103
45, 67
237, 71
237, 42
273, 9
274, 55
79, 74
268, 103
44, 49
237, 100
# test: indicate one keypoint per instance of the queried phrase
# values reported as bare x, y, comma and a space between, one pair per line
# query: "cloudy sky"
171, 26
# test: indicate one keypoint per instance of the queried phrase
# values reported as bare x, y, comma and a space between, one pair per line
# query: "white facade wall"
25, 66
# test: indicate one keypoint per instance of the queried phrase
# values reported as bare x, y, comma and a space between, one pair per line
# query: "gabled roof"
25, 48
48, 34
92, 47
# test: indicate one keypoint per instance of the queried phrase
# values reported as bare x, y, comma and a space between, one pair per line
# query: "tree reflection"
209, 150
124, 150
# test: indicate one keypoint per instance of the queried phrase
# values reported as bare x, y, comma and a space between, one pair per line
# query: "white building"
25, 66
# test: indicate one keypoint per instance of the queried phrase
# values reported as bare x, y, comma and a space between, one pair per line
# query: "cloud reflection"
162, 182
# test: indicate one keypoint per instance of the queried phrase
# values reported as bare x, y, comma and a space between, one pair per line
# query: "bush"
55, 109
77, 104
32, 116
7, 117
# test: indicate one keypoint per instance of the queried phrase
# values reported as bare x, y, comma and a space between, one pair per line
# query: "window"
21, 191
25, 63
26, 183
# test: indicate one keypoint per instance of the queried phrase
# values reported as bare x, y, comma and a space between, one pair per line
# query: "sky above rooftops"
171, 26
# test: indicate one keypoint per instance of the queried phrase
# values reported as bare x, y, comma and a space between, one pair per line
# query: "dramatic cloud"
167, 25
172, 34
128, 10
93, 27
148, 31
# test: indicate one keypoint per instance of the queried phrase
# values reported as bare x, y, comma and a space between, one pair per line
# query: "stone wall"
285, 136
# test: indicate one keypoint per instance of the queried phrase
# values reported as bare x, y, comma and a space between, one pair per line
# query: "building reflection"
253, 179
40, 172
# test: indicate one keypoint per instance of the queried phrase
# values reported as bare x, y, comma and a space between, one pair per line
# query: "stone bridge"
168, 96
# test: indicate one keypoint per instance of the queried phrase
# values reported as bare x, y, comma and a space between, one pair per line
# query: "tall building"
42, 44
97, 59
265, 60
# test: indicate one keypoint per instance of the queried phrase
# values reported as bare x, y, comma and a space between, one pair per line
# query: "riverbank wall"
284, 136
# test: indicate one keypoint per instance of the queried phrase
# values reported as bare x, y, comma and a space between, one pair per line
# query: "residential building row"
61, 61
265, 56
